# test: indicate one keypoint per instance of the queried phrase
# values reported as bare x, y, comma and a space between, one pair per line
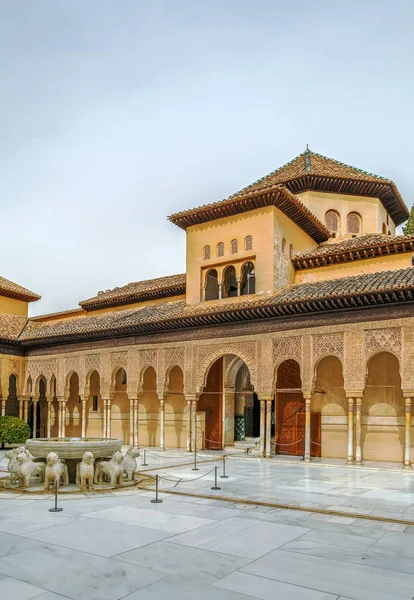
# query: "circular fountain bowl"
73, 447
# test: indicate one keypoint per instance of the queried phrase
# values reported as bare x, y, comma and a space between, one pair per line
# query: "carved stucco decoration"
35, 368
174, 357
72, 365
207, 355
147, 358
407, 375
287, 348
119, 360
388, 339
92, 363
327, 344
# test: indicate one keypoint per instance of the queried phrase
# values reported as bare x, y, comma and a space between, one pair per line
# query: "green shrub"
13, 431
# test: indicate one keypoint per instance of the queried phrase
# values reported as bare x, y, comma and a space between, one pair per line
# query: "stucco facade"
280, 331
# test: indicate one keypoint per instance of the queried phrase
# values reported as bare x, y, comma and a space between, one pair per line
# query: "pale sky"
117, 113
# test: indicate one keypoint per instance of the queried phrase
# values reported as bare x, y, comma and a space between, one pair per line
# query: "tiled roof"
62, 313
11, 326
138, 291
336, 294
311, 163
312, 171
274, 195
13, 290
361, 247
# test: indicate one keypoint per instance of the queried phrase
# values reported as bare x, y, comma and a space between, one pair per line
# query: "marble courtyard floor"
120, 545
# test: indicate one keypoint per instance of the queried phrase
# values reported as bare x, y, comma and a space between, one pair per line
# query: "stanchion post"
56, 509
195, 462
145, 464
224, 476
216, 487
156, 500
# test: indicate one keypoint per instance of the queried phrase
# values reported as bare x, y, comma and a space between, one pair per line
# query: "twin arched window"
332, 221
353, 223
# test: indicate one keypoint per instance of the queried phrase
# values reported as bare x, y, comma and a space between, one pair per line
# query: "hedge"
13, 431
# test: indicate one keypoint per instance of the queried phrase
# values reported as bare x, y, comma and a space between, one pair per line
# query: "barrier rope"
182, 480
292, 444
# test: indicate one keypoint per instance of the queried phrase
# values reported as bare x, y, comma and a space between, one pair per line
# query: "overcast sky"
117, 113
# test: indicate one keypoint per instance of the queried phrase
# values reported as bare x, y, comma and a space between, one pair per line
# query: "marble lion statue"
13, 463
85, 471
27, 468
129, 463
55, 470
112, 468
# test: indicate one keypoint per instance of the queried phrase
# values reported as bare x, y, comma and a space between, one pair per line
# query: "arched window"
234, 246
290, 251
229, 283
206, 252
248, 242
248, 279
212, 287
332, 221
283, 246
384, 228
353, 223
220, 249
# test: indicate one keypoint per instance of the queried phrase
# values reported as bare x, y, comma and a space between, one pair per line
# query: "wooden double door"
290, 426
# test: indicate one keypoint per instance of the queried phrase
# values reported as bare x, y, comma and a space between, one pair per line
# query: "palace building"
292, 328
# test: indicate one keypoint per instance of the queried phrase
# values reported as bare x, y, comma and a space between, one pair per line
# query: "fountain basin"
73, 447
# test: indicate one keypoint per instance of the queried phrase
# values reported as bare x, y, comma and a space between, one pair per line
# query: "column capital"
354, 393
191, 397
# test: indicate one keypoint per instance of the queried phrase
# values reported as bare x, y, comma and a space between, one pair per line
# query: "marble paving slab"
268, 589
191, 563
150, 518
77, 575
102, 538
13, 589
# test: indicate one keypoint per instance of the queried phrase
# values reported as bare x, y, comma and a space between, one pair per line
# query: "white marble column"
307, 427
108, 418
136, 422
188, 422
131, 421
358, 431
351, 403
83, 403
3, 407
104, 417
20, 408
262, 427
35, 419
268, 428
162, 424
64, 417
49, 418
25, 410
407, 449
194, 423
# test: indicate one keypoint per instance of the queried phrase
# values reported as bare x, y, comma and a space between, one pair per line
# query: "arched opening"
12, 405
383, 410
330, 402
248, 279
222, 405
353, 223
212, 286
175, 410
74, 408
149, 410
94, 406
290, 413
120, 409
248, 242
283, 246
332, 221
38, 417
230, 282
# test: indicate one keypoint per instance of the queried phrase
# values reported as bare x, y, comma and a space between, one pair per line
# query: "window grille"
234, 246
220, 249
332, 221
248, 243
354, 223
206, 252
